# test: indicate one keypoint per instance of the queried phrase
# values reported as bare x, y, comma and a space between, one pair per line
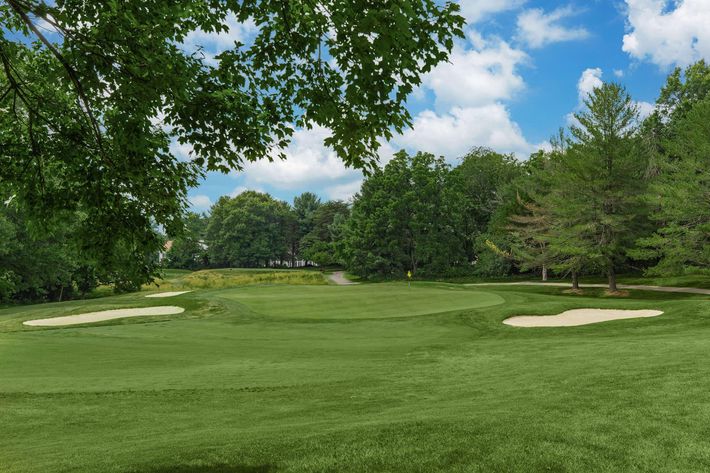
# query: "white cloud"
308, 163
475, 77
589, 80
668, 36
537, 28
453, 134
46, 27
618, 73
476, 10
200, 202
214, 43
343, 191
241, 189
469, 97
182, 151
645, 109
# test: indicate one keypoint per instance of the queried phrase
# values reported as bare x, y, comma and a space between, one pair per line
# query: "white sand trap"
168, 294
104, 315
572, 318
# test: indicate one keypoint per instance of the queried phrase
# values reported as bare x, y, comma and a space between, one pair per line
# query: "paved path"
641, 287
338, 277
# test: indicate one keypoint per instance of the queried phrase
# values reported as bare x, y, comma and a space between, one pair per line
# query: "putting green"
365, 301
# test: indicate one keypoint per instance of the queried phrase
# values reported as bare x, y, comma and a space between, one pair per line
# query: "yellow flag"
409, 274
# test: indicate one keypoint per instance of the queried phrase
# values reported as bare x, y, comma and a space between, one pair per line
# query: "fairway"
373, 377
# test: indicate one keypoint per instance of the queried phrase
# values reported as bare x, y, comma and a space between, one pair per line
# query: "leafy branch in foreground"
93, 94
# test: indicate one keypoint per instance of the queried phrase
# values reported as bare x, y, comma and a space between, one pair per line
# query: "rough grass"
295, 379
176, 280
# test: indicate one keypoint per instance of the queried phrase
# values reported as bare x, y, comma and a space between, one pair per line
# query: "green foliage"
305, 206
249, 230
680, 196
42, 262
480, 179
405, 218
122, 181
88, 113
189, 251
596, 196
320, 245
682, 90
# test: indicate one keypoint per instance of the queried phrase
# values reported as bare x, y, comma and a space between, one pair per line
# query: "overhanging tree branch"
84, 101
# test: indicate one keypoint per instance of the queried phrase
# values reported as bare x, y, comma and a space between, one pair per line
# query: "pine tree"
596, 201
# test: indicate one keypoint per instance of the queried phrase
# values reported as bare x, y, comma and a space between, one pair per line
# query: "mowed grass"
375, 377
359, 302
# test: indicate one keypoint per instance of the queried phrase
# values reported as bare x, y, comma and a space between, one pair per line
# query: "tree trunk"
61, 293
575, 281
612, 278
544, 272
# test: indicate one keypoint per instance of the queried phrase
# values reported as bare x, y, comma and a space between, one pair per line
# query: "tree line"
613, 193
254, 229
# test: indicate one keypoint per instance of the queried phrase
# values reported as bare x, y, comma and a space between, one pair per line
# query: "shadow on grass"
221, 468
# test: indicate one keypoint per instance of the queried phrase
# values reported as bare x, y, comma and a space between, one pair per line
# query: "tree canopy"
94, 93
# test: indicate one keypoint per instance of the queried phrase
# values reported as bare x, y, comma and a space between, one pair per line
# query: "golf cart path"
338, 277
641, 287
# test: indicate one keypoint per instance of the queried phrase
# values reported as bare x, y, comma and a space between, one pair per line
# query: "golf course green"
369, 377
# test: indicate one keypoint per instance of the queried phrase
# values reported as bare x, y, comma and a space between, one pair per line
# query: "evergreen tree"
680, 196
596, 193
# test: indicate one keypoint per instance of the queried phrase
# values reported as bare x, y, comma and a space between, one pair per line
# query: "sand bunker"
168, 294
572, 318
104, 315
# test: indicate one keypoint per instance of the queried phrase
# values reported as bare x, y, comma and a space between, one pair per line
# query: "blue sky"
510, 84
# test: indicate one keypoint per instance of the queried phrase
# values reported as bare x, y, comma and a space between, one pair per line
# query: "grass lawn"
375, 377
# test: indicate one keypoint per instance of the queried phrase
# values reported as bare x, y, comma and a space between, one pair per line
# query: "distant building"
166, 247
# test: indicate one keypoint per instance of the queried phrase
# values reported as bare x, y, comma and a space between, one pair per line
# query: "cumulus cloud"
590, 79
241, 189
308, 162
211, 43
476, 10
344, 191
645, 109
469, 110
182, 151
668, 36
452, 134
537, 28
477, 76
200, 202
